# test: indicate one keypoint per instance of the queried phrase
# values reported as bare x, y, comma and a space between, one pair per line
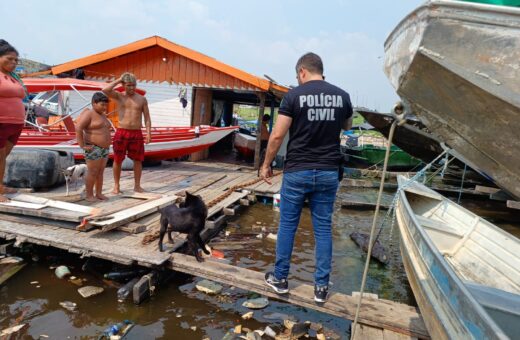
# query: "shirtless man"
264, 131
93, 135
128, 138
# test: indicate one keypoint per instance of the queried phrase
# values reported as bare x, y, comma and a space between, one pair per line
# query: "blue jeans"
320, 187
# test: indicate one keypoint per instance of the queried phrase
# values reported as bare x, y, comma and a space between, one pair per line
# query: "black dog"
189, 218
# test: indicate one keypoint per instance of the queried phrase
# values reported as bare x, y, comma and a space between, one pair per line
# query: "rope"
419, 174
372, 230
462, 183
372, 240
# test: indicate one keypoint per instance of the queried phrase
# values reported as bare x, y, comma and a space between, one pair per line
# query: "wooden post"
271, 122
261, 95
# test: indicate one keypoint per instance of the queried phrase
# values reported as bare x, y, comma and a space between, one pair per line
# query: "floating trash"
258, 303
208, 287
89, 291
69, 305
247, 315
62, 271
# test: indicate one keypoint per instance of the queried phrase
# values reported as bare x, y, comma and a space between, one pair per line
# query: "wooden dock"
399, 321
125, 221
52, 227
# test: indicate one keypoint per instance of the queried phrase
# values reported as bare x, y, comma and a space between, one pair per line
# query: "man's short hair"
266, 118
128, 78
311, 62
99, 97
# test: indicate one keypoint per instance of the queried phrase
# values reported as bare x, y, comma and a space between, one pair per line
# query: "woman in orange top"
12, 110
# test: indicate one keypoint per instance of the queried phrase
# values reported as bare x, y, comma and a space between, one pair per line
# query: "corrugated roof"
196, 76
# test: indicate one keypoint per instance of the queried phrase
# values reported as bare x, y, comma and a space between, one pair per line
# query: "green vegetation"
357, 119
251, 112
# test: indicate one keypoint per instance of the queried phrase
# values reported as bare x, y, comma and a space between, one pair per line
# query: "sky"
260, 37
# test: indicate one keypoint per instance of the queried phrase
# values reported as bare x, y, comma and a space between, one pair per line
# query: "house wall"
163, 102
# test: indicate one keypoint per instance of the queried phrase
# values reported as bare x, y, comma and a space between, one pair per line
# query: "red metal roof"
157, 59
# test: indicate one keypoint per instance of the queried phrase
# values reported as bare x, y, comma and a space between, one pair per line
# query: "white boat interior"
484, 257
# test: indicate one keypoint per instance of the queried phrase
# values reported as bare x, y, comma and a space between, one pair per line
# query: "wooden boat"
167, 142
245, 145
456, 64
463, 270
369, 155
411, 137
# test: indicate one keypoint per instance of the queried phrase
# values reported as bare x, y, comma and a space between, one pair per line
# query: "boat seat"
503, 307
437, 225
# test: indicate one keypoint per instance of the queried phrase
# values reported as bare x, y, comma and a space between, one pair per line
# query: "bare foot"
101, 197
116, 191
90, 199
4, 199
8, 190
138, 189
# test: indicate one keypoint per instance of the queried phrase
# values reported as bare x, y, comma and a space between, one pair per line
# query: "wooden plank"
363, 183
486, 190
389, 335
513, 204
380, 313
216, 223
95, 243
230, 200
365, 332
23, 205
53, 203
129, 215
143, 195
231, 210
48, 212
365, 200
133, 228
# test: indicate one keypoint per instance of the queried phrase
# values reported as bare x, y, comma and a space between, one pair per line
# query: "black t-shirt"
318, 111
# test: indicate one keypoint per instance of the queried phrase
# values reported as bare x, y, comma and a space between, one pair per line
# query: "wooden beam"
486, 190
261, 95
513, 204
131, 214
380, 313
53, 203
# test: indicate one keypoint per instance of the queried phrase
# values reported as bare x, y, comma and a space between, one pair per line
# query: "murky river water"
179, 311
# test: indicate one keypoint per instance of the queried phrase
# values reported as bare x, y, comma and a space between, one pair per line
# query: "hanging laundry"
183, 96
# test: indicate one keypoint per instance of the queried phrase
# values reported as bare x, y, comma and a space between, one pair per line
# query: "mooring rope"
462, 184
376, 213
372, 230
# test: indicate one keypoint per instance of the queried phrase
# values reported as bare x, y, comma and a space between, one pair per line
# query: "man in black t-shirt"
314, 114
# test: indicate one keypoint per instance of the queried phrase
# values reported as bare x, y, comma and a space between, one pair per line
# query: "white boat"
457, 64
167, 142
463, 270
245, 144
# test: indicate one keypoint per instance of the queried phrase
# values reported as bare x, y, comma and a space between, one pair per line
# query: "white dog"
73, 174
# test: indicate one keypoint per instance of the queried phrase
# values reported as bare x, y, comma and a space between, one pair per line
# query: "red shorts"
129, 142
9, 132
